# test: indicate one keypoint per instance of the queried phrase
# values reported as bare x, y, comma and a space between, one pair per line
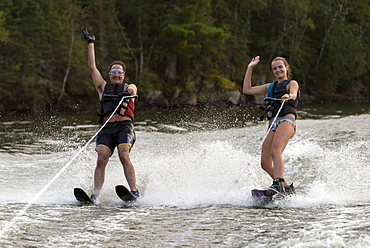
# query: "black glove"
88, 37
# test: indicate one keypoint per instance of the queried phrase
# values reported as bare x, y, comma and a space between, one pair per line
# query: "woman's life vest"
277, 90
111, 97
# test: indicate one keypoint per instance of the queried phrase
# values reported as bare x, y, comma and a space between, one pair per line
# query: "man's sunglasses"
116, 71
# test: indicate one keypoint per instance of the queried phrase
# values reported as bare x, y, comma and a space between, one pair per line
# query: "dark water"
61, 132
195, 170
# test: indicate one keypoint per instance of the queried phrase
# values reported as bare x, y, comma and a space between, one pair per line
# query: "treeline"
177, 47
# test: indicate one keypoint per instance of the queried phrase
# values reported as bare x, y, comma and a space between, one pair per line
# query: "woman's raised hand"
254, 61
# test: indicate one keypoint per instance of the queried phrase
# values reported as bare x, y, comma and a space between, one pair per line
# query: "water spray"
213, 206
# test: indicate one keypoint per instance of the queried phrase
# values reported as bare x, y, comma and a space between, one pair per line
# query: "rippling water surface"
195, 170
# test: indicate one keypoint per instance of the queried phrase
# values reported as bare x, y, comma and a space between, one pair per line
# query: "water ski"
124, 194
265, 192
81, 196
265, 196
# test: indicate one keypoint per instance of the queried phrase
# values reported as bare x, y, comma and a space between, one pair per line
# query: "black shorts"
115, 134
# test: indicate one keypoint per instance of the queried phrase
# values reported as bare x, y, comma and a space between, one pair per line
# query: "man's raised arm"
97, 78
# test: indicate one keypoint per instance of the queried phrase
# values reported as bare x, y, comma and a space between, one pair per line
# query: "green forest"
177, 47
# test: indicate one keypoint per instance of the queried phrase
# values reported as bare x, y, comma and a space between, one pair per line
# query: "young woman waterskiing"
282, 129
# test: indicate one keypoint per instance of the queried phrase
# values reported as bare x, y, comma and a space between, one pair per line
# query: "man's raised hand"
88, 37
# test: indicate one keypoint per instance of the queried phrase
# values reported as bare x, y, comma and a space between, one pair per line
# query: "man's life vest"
111, 97
277, 90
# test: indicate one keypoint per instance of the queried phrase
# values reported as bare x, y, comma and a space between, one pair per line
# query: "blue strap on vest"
271, 88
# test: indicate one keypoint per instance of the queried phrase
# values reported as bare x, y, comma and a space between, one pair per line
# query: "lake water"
195, 170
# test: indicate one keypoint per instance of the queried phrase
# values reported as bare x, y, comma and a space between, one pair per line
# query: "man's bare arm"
97, 78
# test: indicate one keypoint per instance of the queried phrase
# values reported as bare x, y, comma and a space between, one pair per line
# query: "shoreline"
156, 100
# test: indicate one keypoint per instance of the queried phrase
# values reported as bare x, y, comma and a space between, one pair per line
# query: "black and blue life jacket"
277, 90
